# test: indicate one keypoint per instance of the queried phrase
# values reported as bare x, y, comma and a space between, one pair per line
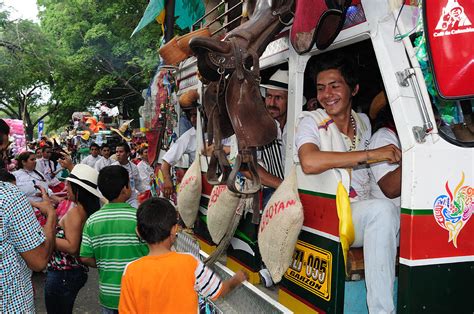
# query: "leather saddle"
218, 128
232, 66
216, 57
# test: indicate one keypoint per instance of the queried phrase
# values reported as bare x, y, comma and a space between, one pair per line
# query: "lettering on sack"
187, 182
216, 192
273, 210
453, 20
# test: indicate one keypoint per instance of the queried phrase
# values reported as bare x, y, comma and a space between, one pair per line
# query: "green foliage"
28, 58
102, 63
82, 53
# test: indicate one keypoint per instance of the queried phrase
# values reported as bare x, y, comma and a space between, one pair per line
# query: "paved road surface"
87, 301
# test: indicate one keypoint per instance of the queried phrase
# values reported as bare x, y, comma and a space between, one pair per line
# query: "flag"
186, 12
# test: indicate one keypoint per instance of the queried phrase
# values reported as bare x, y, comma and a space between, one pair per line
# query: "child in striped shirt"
167, 281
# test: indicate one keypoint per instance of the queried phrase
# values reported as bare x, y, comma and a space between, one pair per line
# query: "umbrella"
186, 12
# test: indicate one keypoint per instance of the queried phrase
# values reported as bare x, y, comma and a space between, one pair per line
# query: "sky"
24, 9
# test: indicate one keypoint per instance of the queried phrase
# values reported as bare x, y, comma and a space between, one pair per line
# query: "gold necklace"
354, 127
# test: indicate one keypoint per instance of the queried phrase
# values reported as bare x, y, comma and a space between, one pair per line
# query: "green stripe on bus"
417, 212
324, 195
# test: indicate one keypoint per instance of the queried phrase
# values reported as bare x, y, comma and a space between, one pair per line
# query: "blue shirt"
19, 232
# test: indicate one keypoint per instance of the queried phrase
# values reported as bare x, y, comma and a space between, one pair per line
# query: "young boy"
105, 160
167, 281
109, 241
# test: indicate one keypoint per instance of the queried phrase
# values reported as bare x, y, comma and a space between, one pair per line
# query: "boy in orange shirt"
167, 281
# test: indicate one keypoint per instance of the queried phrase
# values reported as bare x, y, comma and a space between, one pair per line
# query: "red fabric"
63, 208
143, 196
58, 187
305, 20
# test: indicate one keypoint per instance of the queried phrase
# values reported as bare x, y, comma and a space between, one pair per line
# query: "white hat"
278, 81
86, 177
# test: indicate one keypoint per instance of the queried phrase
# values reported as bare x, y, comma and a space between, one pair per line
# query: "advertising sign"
449, 32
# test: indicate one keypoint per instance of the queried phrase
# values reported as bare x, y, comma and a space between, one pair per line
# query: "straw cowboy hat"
188, 99
85, 135
278, 81
379, 101
86, 177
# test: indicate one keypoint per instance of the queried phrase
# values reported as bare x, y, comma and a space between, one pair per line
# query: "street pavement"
87, 301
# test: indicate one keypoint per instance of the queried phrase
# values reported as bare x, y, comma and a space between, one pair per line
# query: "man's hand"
66, 162
168, 187
390, 153
45, 206
208, 150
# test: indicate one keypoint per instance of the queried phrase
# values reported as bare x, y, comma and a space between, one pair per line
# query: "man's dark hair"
105, 145
155, 218
45, 147
6, 176
111, 181
125, 147
94, 145
341, 62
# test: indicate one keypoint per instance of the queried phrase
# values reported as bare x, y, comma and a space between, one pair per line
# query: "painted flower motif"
452, 211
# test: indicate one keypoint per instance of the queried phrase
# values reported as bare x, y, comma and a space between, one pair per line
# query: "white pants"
377, 224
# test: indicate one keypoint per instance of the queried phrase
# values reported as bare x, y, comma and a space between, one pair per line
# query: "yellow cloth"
161, 20
346, 226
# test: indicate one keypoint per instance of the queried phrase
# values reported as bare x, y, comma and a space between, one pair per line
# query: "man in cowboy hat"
25, 245
271, 162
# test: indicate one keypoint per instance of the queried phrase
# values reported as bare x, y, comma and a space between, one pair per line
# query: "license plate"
311, 269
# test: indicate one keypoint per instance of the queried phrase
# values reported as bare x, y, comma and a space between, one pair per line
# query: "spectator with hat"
66, 274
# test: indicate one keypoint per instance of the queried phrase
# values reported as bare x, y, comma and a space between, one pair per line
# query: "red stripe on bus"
422, 238
320, 213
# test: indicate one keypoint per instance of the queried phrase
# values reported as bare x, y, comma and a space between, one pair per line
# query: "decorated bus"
415, 58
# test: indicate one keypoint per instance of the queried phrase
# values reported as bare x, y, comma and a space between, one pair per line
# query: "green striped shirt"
109, 237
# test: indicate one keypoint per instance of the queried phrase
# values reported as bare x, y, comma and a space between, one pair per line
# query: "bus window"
453, 118
370, 83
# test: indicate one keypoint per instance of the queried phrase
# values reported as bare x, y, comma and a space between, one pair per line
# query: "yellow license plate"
311, 269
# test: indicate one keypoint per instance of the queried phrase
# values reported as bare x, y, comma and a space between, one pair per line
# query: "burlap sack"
220, 210
280, 225
189, 194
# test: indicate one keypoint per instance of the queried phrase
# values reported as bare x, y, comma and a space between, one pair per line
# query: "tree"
27, 61
102, 63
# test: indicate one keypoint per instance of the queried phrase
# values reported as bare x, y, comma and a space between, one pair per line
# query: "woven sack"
172, 53
220, 210
189, 194
280, 226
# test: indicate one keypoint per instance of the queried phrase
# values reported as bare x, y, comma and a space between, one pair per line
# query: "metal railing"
226, 25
